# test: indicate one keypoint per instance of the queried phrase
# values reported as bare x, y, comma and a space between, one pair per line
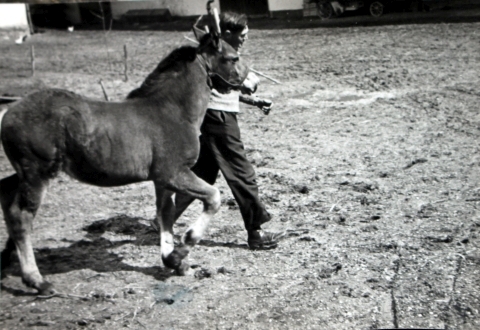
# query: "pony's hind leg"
8, 189
172, 256
189, 184
20, 201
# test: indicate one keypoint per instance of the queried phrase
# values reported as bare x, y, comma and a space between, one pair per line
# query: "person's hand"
250, 84
265, 105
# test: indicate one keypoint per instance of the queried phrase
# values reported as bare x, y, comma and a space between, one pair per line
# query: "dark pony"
152, 135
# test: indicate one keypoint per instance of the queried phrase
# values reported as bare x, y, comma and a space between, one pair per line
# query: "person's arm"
249, 87
264, 104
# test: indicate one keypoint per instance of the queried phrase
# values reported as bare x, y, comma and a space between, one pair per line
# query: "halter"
214, 74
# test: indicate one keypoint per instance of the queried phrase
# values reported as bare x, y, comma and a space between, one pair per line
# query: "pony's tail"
3, 111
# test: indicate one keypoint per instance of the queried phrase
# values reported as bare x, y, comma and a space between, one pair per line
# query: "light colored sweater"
229, 102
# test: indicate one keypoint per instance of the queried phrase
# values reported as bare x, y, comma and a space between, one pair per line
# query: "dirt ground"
370, 160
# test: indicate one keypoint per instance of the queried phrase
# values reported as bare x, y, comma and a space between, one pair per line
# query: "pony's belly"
108, 175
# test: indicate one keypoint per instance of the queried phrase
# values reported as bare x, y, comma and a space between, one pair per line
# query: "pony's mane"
173, 62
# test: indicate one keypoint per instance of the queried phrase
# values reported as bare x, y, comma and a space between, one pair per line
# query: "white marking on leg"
44, 192
27, 261
166, 241
197, 229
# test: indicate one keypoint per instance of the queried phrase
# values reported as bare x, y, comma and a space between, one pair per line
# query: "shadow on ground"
93, 252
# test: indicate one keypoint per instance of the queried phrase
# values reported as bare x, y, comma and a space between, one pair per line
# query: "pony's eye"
233, 59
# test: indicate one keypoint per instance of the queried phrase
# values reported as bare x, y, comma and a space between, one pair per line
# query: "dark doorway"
249, 7
63, 15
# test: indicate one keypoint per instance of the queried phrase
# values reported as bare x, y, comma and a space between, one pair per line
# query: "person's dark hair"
233, 22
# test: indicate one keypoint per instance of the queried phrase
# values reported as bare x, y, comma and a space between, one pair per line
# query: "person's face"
236, 39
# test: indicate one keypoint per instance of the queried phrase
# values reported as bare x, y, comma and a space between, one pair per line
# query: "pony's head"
221, 59
222, 63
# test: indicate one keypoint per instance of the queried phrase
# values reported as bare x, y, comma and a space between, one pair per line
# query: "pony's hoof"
182, 270
174, 259
189, 239
46, 289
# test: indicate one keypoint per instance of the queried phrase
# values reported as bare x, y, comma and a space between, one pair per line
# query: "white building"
187, 8
16, 15
13, 16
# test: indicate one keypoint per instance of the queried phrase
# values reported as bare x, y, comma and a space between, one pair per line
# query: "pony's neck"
197, 94
206, 68
178, 87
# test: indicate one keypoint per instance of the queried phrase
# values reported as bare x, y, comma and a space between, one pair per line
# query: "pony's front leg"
172, 256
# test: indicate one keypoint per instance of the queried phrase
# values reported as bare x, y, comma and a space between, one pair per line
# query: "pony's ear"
217, 41
213, 13
216, 31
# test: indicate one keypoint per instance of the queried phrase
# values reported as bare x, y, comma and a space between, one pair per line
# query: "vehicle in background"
332, 8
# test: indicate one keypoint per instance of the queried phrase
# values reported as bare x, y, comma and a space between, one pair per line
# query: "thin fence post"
125, 62
105, 95
32, 59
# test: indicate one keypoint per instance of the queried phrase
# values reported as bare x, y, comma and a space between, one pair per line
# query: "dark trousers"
221, 149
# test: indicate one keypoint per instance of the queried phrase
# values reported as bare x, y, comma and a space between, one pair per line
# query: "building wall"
280, 5
13, 16
192, 7
176, 8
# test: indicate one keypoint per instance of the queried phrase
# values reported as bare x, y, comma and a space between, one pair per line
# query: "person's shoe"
263, 240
